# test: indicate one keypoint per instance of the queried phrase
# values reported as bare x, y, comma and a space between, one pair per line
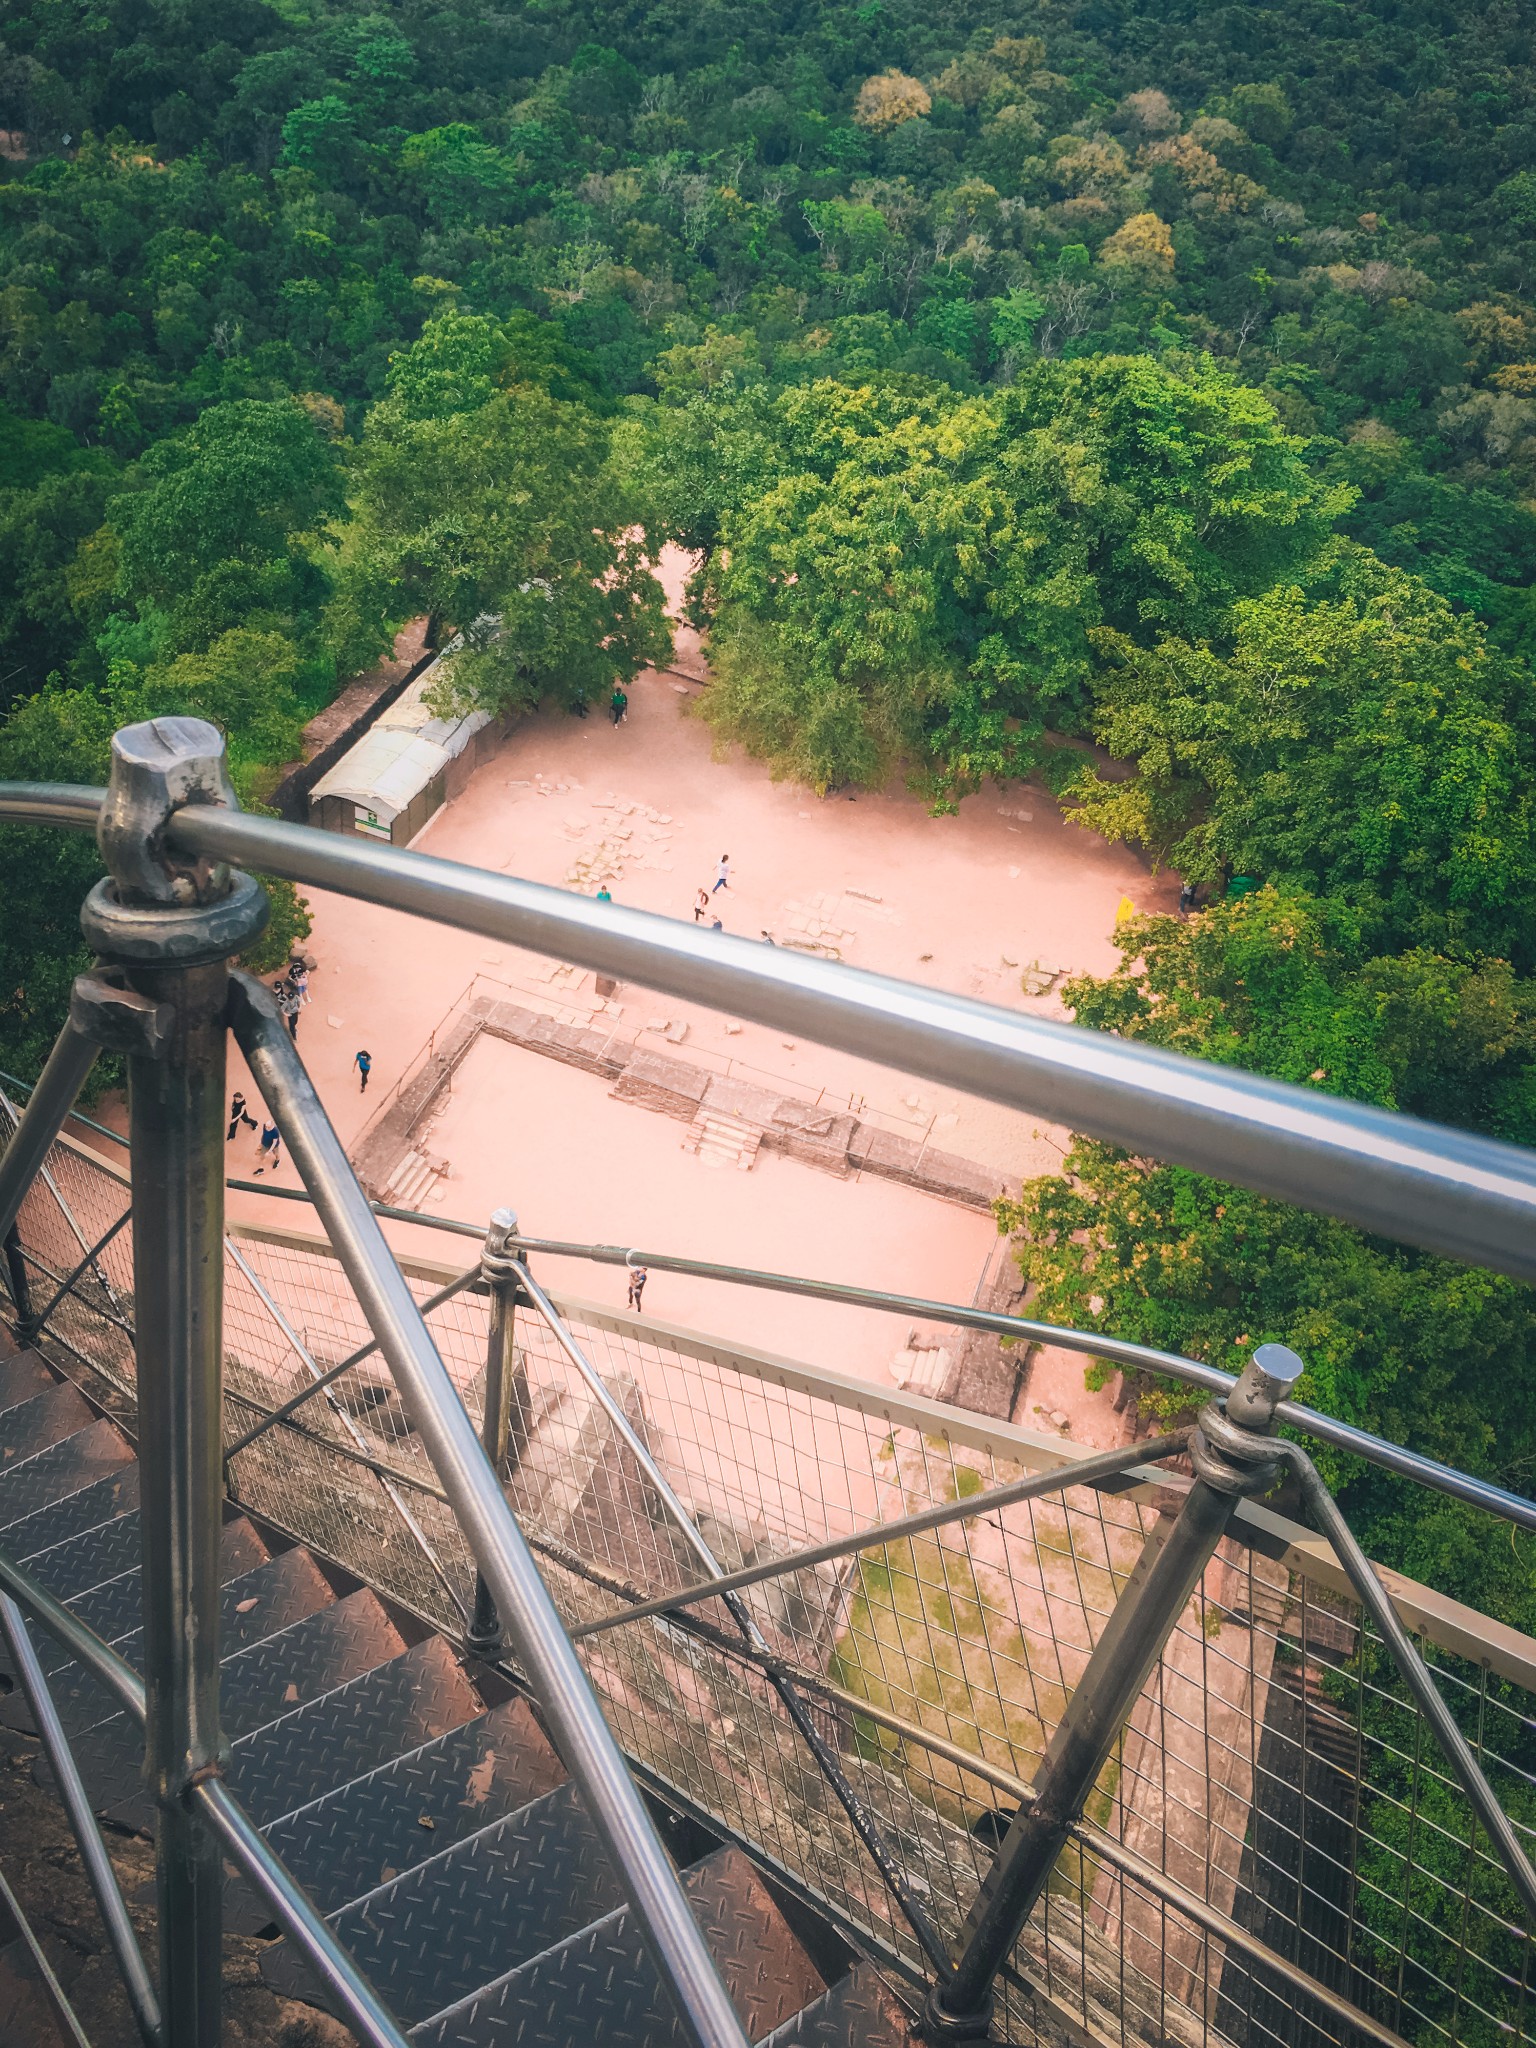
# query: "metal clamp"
158, 767
1229, 1447
171, 935
119, 1019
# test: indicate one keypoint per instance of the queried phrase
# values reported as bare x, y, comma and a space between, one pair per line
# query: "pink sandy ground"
962, 897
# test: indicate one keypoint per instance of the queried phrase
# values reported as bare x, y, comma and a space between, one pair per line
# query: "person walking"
1186, 899
271, 1148
602, 893
288, 1005
238, 1115
700, 904
722, 873
618, 705
363, 1061
637, 1279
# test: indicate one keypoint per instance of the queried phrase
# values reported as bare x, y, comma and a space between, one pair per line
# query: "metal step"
474, 1912
75, 1515
360, 1724
114, 1612
69, 1466
21, 1377
256, 1685
39, 1422
374, 1828
857, 2012
600, 1985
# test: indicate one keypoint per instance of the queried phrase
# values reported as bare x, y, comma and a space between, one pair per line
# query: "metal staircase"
421, 1807
501, 1730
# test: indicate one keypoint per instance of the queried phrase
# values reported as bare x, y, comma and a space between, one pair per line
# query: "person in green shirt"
618, 704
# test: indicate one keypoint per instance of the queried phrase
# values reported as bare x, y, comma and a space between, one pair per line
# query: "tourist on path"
723, 873
700, 904
602, 893
618, 704
271, 1148
238, 1115
289, 1003
363, 1061
637, 1279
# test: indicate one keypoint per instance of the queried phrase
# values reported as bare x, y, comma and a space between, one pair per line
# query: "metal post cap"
157, 767
1267, 1378
498, 1251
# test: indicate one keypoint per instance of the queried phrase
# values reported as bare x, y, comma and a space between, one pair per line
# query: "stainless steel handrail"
1342, 1436
1211, 1379
102, 1878
575, 1720
1468, 1197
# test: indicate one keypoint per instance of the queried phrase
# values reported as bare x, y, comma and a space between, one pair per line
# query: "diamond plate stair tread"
467, 1917
600, 1984
259, 1683
89, 1559
257, 1686
23, 1376
64, 1468
97, 1574
370, 1829
398, 1705
114, 1607
114, 1612
36, 1424
108, 1500
857, 2012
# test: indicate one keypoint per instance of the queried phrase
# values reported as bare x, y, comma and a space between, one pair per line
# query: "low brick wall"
835, 1141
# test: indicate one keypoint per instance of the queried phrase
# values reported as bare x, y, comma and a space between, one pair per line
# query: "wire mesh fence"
1275, 1770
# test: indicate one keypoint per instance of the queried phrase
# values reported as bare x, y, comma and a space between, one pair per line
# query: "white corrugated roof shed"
400, 753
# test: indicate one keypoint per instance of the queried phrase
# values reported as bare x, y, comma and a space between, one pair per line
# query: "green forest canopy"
1155, 375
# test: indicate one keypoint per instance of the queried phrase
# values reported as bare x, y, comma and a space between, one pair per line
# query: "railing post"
20, 1285
504, 1424
1123, 1659
165, 932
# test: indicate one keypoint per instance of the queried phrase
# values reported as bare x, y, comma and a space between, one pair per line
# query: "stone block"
670, 1086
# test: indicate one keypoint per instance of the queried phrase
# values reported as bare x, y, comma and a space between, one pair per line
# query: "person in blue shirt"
363, 1061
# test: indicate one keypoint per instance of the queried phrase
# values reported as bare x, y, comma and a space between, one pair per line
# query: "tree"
499, 516
221, 523
940, 561
885, 102
1420, 1350
1365, 742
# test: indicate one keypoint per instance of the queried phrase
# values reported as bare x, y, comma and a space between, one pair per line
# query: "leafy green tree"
498, 515
1365, 742
1415, 1348
941, 560
227, 515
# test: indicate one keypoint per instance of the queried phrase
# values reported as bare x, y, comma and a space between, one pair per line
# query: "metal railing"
603, 1551
1008, 1687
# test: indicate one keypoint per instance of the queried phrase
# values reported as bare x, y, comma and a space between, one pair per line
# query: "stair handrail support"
523, 1603
163, 930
